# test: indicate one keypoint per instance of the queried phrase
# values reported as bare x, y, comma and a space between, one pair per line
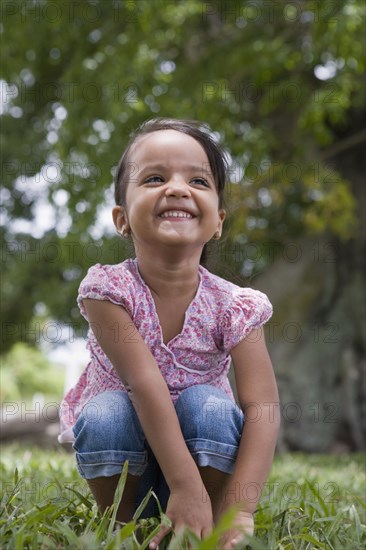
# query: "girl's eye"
159, 179
200, 181
154, 179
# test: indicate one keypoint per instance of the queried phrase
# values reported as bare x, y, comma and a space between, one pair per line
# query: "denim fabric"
108, 432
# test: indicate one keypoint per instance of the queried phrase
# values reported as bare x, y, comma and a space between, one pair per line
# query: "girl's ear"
120, 219
222, 216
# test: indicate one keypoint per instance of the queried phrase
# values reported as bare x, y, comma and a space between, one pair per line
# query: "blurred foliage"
277, 82
26, 371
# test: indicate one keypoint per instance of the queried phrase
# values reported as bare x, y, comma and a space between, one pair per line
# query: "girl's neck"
170, 281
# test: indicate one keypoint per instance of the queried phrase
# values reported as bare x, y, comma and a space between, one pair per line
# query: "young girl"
163, 331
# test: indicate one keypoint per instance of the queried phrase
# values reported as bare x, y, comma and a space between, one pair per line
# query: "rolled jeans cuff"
108, 463
220, 456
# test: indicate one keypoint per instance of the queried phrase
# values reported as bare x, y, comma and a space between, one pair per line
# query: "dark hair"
198, 131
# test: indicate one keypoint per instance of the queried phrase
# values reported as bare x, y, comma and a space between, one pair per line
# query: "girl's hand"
187, 509
243, 525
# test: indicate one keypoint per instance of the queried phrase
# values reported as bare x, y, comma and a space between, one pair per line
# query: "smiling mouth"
176, 216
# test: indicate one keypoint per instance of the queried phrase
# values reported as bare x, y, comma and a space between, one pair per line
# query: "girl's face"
169, 172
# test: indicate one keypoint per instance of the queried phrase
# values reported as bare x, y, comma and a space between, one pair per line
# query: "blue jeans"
108, 432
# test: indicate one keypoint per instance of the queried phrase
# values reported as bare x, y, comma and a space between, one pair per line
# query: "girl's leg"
107, 434
136, 488
215, 483
212, 425
103, 489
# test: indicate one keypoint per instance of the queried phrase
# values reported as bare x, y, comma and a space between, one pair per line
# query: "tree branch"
343, 145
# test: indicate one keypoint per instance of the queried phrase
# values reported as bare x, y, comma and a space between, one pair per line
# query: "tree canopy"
281, 85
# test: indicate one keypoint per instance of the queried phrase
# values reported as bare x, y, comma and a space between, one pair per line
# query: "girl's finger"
233, 541
159, 537
231, 544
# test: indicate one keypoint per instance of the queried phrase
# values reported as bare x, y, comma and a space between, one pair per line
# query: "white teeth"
176, 214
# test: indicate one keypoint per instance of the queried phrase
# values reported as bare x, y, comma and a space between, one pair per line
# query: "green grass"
309, 502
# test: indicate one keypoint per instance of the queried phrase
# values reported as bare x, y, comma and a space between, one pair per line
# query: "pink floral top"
219, 316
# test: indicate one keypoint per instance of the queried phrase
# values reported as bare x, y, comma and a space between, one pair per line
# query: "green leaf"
142, 505
118, 497
354, 515
82, 499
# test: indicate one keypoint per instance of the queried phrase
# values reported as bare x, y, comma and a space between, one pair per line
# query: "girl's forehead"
164, 143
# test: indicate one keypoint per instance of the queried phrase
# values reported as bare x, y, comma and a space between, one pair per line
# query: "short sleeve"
106, 282
249, 310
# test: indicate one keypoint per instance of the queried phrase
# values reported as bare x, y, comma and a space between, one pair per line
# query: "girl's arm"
149, 394
258, 398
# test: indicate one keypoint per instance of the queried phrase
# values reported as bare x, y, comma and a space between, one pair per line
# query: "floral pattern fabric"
220, 315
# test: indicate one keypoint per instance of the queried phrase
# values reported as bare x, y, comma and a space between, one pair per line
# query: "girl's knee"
108, 421
206, 412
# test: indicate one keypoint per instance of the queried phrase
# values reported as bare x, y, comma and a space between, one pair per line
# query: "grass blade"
82, 499
142, 505
318, 497
356, 521
118, 497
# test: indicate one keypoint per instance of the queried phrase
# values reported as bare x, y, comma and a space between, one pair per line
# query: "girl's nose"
177, 187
